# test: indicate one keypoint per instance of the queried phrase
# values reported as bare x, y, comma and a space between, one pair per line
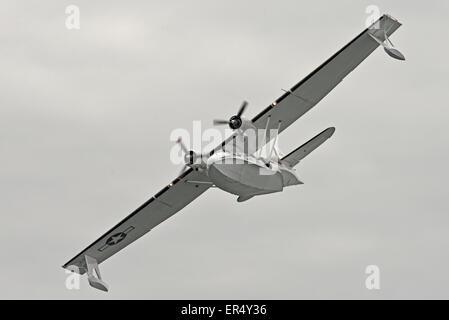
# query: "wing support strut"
388, 46
274, 142
95, 280
260, 145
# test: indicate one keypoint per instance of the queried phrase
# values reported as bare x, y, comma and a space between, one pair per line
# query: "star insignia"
116, 238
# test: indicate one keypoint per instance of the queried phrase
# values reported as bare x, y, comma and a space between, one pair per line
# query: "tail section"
293, 158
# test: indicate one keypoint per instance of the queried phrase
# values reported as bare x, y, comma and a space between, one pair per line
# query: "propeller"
235, 121
190, 156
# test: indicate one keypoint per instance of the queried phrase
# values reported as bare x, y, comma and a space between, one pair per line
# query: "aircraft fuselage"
247, 176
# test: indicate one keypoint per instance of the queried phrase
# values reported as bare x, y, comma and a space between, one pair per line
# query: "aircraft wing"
308, 92
172, 198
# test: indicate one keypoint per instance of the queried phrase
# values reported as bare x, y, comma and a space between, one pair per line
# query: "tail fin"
293, 158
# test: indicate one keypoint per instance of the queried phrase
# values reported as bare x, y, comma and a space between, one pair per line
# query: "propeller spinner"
235, 121
190, 156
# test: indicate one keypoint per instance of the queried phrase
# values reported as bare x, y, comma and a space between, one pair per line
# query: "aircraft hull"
245, 179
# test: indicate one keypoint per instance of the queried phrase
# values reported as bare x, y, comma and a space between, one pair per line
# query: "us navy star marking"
116, 238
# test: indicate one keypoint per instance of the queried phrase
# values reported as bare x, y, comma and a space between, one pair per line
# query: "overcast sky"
85, 123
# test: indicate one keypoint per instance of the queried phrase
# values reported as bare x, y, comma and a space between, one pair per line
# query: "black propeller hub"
190, 157
235, 122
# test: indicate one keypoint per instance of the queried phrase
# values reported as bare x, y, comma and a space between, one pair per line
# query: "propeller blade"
220, 122
242, 108
181, 144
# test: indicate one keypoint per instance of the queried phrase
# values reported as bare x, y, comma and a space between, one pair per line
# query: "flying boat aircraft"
237, 165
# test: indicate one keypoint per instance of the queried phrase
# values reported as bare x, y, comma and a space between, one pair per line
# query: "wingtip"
391, 17
331, 131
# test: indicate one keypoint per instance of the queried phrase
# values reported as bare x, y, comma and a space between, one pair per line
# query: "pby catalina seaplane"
241, 171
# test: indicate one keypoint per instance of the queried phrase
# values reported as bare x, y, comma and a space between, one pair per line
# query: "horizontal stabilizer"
293, 158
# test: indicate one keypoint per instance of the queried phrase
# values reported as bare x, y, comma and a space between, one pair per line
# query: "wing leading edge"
309, 91
313, 88
172, 198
